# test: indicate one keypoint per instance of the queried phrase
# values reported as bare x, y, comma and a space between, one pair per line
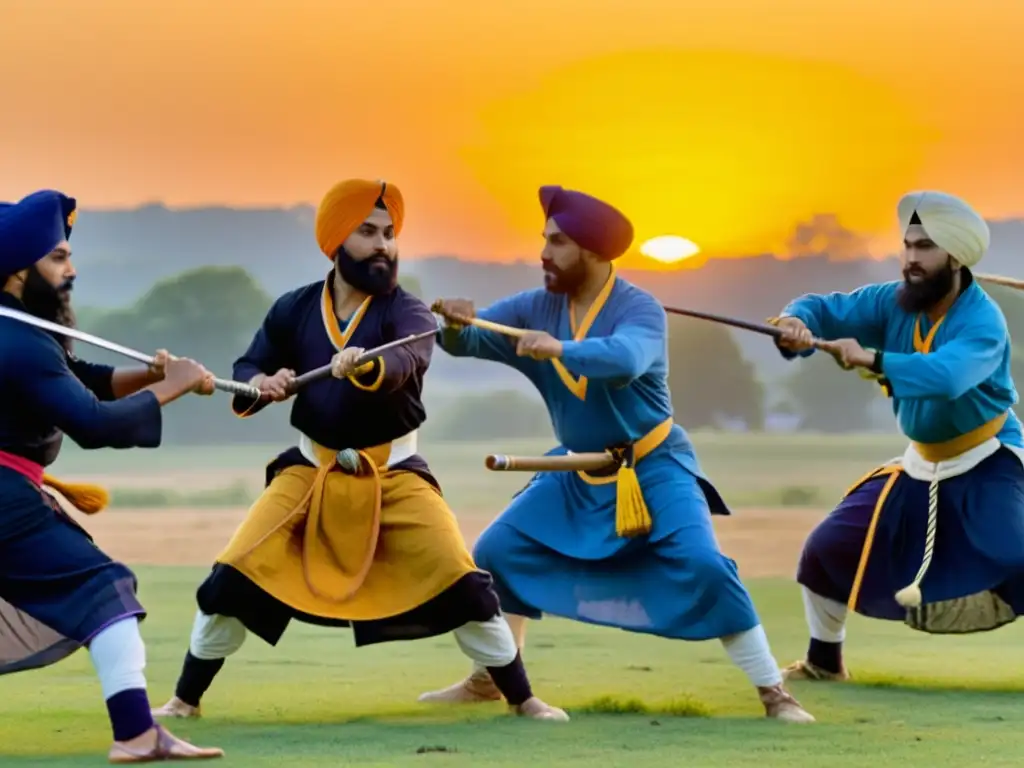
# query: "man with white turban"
934, 538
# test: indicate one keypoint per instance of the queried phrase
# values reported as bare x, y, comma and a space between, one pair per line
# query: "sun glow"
669, 249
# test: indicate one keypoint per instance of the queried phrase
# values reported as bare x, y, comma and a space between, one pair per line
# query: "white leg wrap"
216, 637
750, 652
489, 643
826, 618
119, 656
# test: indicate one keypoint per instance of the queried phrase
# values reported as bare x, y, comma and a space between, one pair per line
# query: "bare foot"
780, 704
475, 689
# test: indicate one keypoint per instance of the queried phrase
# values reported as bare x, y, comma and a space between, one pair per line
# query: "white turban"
950, 222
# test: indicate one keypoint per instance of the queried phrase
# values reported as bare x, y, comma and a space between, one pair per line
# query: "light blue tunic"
961, 383
555, 549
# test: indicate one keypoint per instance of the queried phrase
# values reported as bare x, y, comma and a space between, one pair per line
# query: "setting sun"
669, 249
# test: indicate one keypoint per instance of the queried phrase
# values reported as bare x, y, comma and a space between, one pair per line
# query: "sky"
727, 122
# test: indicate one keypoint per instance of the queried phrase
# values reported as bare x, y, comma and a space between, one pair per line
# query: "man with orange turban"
352, 528
632, 547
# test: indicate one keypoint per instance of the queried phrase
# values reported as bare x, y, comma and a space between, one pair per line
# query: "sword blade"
74, 333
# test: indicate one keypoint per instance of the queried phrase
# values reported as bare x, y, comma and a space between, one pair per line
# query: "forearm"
614, 357
477, 343
128, 381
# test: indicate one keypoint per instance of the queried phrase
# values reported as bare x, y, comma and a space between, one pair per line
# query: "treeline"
211, 313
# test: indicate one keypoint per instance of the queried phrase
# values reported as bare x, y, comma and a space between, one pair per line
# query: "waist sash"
84, 497
632, 518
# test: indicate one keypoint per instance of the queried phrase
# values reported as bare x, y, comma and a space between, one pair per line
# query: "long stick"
1009, 282
365, 360
224, 385
585, 462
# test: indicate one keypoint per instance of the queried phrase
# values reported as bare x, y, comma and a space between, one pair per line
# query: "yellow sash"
84, 497
632, 518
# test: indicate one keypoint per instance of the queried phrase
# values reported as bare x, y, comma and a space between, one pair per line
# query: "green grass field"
317, 701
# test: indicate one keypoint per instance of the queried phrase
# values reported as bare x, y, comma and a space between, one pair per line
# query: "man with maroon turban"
632, 547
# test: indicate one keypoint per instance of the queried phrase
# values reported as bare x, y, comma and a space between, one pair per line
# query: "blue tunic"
57, 589
555, 549
946, 380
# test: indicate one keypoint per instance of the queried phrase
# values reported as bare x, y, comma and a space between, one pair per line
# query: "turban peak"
33, 227
592, 224
949, 221
347, 204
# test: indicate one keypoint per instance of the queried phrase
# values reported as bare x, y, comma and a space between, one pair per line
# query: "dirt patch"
764, 542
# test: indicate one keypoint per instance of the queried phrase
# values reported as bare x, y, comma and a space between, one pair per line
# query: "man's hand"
344, 363
539, 346
849, 353
275, 388
206, 385
796, 337
158, 368
454, 310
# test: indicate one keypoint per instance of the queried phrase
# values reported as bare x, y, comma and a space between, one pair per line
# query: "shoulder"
297, 299
23, 344
985, 311
401, 300
631, 300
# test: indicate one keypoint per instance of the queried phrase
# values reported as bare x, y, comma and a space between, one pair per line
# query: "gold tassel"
84, 497
632, 518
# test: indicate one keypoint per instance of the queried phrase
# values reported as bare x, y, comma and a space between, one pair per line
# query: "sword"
233, 387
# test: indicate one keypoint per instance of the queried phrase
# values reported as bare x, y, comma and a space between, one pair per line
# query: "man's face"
565, 268
368, 259
46, 292
927, 271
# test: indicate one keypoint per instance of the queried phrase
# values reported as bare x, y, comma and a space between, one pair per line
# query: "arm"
391, 370
628, 353
951, 370
109, 383
488, 345
57, 394
860, 315
265, 356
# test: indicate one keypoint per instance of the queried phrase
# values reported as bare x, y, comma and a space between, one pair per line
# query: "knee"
489, 643
712, 567
216, 637
489, 552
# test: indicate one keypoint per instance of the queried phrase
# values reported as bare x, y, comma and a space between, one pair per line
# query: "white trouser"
119, 656
488, 643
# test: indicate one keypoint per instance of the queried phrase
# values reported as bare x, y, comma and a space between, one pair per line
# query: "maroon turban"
590, 223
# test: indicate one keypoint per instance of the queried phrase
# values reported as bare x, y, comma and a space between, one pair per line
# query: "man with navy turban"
58, 591
934, 538
632, 548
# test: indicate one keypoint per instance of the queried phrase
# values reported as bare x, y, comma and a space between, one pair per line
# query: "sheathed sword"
224, 385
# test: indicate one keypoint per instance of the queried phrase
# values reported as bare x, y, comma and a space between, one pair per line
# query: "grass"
749, 470
636, 701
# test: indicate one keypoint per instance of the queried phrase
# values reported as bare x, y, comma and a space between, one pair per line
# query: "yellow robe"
359, 547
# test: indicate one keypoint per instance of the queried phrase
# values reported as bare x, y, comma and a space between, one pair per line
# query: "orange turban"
347, 205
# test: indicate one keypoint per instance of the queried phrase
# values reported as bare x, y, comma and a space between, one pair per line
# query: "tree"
504, 414
209, 314
709, 379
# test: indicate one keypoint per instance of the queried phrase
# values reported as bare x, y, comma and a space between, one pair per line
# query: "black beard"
563, 281
375, 276
48, 303
925, 294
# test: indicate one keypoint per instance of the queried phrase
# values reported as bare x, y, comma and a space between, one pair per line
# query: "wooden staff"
1009, 282
572, 462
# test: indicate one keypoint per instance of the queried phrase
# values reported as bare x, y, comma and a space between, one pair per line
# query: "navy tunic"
57, 588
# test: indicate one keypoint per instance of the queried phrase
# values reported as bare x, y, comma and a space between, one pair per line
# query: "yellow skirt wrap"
356, 547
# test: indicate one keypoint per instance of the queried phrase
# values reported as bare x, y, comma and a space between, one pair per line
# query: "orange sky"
724, 121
